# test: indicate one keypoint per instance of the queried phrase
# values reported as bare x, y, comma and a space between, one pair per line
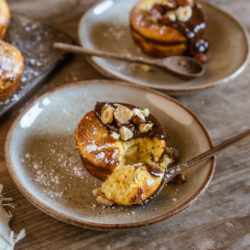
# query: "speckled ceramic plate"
106, 27
43, 162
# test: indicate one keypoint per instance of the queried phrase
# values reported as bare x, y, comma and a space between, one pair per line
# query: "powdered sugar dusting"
9, 68
100, 156
93, 147
57, 170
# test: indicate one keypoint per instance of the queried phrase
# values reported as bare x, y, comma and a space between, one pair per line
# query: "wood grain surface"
219, 220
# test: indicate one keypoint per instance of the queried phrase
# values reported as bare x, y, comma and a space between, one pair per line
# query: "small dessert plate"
43, 161
106, 27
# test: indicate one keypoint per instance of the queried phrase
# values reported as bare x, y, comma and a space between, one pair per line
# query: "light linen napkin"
8, 238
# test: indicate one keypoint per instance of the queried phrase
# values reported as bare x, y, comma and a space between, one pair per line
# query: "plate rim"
93, 225
175, 91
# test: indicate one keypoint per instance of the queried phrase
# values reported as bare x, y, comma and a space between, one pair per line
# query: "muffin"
163, 28
11, 67
4, 18
125, 147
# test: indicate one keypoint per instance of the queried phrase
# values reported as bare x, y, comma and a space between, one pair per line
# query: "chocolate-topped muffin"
125, 145
169, 27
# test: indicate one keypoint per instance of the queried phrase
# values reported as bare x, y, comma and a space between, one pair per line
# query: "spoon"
182, 66
170, 173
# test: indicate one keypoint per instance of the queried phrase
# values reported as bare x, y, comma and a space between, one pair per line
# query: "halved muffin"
104, 147
11, 67
126, 148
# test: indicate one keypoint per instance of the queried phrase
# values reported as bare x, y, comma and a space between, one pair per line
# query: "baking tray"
34, 40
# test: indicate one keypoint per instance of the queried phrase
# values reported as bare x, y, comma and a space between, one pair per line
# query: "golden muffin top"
11, 64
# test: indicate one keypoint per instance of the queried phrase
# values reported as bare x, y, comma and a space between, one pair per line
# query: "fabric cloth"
8, 238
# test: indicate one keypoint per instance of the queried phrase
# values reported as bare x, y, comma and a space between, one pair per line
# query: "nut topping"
146, 112
171, 15
115, 135
122, 114
139, 113
183, 14
126, 133
107, 115
125, 122
144, 128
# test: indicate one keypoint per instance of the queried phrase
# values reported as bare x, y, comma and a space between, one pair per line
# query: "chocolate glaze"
193, 29
157, 130
154, 170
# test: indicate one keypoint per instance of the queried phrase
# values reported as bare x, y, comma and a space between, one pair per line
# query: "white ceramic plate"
106, 27
43, 162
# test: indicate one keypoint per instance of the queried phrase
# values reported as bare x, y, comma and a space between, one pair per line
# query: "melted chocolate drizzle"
154, 170
157, 130
193, 29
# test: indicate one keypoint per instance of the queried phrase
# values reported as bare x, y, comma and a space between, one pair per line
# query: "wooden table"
220, 219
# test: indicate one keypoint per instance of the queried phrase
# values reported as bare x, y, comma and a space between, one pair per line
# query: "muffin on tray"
11, 67
4, 18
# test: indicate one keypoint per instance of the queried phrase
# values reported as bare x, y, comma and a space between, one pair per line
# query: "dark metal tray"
34, 40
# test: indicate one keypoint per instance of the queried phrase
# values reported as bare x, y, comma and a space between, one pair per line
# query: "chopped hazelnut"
126, 133
145, 127
122, 114
171, 15
107, 114
146, 112
115, 135
183, 14
139, 113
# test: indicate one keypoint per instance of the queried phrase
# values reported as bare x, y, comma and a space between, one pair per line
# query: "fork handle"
172, 172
